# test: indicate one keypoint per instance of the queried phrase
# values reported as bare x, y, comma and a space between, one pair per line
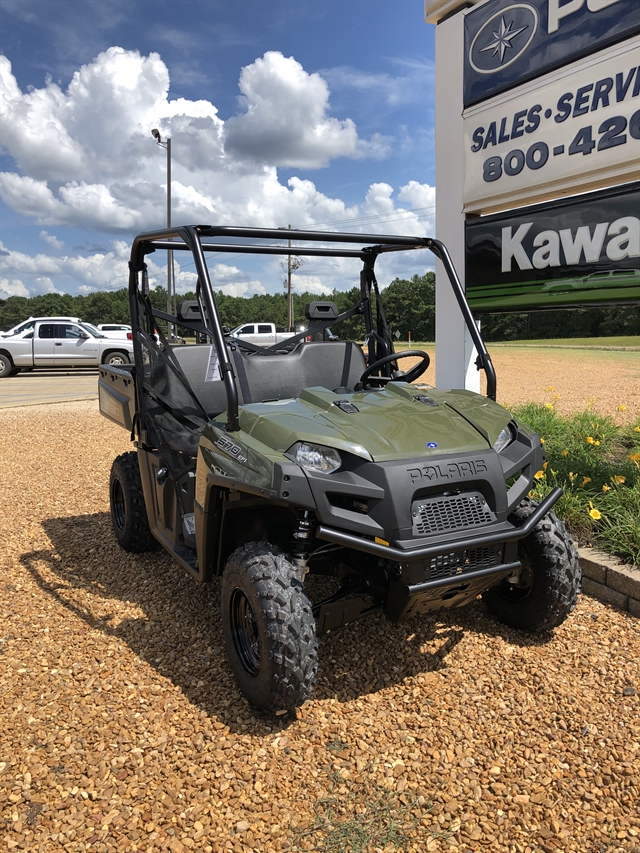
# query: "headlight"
505, 438
315, 457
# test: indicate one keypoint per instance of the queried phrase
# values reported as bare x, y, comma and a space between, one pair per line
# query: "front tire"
128, 511
6, 366
269, 629
549, 580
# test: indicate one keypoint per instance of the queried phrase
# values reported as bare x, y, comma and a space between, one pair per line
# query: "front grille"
450, 512
460, 562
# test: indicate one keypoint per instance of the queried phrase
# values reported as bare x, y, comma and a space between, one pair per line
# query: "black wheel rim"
244, 630
117, 504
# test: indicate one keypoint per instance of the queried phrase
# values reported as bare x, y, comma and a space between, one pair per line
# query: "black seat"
335, 365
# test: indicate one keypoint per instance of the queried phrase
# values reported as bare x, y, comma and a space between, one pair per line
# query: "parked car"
61, 344
260, 334
27, 325
114, 330
113, 327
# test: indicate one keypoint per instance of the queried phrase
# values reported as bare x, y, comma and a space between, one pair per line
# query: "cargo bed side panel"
116, 395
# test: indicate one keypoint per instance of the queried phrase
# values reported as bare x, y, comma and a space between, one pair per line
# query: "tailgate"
116, 394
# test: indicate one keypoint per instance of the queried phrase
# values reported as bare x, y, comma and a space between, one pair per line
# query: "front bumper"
449, 573
403, 552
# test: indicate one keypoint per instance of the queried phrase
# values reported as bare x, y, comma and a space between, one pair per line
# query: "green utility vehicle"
322, 457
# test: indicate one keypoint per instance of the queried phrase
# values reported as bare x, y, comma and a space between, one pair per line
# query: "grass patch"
615, 341
597, 464
362, 815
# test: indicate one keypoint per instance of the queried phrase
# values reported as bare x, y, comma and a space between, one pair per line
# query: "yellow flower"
594, 513
622, 408
565, 452
550, 388
634, 457
539, 475
586, 480
636, 429
596, 442
606, 488
549, 406
544, 466
542, 441
617, 479
590, 440
572, 476
556, 396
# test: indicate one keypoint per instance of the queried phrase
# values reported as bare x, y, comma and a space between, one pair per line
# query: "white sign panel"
575, 129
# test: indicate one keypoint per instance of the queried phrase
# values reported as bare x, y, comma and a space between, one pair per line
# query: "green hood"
389, 424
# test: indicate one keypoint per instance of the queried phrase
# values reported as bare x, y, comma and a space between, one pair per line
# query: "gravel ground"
122, 728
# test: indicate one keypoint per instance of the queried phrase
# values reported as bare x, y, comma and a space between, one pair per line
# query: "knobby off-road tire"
128, 511
269, 629
549, 581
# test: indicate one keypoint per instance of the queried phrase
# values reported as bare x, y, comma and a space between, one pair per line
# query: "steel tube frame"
374, 245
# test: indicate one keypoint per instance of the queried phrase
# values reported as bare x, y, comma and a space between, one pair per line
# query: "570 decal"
612, 131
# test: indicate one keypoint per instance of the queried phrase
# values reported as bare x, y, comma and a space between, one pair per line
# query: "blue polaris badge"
432, 444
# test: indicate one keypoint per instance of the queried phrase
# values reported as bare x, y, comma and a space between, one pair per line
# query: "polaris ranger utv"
263, 465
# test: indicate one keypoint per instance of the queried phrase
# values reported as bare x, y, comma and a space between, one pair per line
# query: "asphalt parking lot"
48, 386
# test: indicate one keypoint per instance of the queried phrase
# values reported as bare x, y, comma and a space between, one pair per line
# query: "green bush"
597, 464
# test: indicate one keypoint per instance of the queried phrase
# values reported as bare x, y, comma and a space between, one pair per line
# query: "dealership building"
537, 159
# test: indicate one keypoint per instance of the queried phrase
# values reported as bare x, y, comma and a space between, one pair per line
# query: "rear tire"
549, 581
128, 511
115, 359
269, 629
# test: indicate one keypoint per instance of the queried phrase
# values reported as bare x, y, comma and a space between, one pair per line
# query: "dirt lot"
122, 728
608, 381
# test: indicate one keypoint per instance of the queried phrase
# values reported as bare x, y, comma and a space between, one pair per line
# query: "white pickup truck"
260, 334
54, 343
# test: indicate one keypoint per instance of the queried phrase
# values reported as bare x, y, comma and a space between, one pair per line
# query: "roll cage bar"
197, 240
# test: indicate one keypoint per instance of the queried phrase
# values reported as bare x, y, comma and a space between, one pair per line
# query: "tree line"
409, 306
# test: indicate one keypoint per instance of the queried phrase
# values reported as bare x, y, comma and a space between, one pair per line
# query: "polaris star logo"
503, 38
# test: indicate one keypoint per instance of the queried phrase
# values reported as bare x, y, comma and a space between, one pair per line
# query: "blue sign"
508, 43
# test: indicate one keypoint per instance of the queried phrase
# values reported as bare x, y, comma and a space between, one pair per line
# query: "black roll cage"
378, 340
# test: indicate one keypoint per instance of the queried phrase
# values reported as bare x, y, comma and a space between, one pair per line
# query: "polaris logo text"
452, 471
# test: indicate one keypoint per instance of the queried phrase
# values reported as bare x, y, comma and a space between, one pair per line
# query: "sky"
309, 113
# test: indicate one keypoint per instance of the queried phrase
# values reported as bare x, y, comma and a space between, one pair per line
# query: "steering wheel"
416, 371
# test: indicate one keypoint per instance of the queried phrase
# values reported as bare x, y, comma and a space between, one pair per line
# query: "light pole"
166, 144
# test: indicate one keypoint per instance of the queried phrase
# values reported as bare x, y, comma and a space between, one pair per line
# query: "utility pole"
293, 263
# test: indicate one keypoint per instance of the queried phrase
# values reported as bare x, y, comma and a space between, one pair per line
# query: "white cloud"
52, 240
12, 288
85, 159
309, 284
286, 121
42, 273
413, 83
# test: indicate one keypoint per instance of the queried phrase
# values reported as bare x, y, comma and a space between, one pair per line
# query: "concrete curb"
605, 578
